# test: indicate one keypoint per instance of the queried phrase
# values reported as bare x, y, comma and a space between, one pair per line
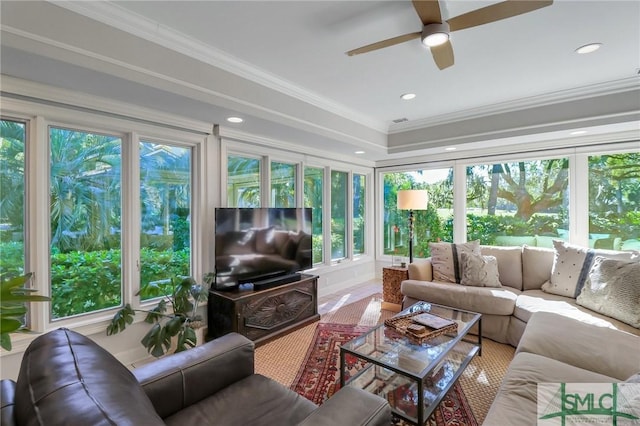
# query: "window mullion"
38, 220
131, 219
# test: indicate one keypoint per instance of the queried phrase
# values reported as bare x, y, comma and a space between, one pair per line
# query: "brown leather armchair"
66, 378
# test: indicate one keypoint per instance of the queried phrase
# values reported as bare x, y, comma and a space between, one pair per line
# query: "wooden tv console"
261, 315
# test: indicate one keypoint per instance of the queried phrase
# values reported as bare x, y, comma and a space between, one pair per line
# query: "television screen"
261, 245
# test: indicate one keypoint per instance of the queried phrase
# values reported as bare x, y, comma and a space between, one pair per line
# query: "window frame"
241, 146
578, 174
38, 118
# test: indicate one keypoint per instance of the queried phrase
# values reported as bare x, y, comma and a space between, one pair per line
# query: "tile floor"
334, 300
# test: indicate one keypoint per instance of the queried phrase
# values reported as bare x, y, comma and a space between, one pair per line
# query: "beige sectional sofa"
559, 349
507, 309
557, 340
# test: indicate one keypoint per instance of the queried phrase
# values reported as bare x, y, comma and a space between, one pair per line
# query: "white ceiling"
304, 42
297, 48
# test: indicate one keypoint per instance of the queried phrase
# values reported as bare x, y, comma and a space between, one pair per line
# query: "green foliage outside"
88, 281
524, 198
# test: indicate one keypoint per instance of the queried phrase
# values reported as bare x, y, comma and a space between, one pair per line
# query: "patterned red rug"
318, 377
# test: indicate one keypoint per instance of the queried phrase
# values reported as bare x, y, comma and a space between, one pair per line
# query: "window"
313, 195
12, 197
283, 185
165, 207
433, 224
359, 197
614, 201
518, 203
243, 181
338, 215
85, 217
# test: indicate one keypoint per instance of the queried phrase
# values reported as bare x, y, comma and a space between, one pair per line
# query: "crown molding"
19, 88
516, 147
228, 133
198, 88
560, 96
513, 132
140, 26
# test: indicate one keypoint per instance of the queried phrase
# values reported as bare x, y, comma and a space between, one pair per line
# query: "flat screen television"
264, 247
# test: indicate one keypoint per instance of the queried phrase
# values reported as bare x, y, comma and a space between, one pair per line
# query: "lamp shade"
413, 199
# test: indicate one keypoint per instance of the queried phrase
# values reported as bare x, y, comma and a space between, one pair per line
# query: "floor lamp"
412, 199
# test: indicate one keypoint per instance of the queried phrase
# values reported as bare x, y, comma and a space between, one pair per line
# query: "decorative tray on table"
421, 326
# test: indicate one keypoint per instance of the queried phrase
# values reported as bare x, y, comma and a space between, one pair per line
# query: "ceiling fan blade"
428, 11
384, 43
443, 55
495, 12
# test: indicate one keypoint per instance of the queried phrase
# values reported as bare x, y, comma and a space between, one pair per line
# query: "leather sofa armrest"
353, 407
8, 401
182, 379
421, 271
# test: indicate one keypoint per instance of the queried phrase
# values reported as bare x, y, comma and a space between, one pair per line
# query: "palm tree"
84, 188
12, 176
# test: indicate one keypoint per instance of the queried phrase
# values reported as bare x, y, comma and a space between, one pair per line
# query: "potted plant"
183, 295
13, 299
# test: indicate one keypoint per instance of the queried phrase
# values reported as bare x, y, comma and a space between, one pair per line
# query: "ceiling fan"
435, 32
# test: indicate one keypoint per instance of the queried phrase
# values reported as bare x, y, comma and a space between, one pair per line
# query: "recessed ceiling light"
450, 148
588, 48
235, 119
578, 132
359, 152
408, 96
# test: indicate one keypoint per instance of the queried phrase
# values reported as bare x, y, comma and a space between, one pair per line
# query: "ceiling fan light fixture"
435, 34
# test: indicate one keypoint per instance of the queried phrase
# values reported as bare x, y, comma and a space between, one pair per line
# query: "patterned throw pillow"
446, 260
572, 264
634, 379
479, 271
613, 289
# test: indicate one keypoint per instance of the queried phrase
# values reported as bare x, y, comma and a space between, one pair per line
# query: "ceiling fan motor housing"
435, 34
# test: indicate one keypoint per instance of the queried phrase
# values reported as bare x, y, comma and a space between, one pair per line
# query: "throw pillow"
446, 259
571, 266
633, 379
479, 271
613, 289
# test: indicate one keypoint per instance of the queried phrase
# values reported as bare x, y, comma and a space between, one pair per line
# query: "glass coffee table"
413, 377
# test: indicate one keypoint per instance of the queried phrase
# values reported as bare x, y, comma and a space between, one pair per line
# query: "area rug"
319, 377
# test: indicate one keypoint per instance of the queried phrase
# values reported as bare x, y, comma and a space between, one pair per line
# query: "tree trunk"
493, 194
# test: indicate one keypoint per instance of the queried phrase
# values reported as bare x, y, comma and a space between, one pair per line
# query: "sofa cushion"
516, 402
421, 270
532, 301
255, 400
571, 267
509, 264
485, 300
447, 261
613, 289
536, 266
479, 270
66, 377
599, 349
